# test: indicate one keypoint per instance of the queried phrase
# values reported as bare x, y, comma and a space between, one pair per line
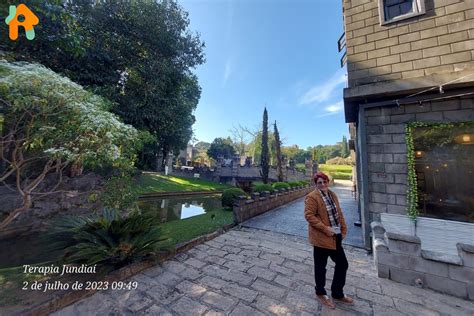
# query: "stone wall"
72, 199
242, 173
441, 41
260, 203
387, 152
399, 257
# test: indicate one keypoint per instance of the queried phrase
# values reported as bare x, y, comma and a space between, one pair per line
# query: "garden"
77, 133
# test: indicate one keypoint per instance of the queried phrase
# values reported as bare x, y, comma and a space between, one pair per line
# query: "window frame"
413, 210
383, 21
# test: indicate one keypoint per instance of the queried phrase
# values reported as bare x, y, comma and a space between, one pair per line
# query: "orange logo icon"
21, 16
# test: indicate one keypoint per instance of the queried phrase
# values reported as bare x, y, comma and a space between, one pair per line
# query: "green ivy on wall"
412, 193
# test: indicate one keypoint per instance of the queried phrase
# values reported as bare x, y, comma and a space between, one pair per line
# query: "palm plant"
108, 239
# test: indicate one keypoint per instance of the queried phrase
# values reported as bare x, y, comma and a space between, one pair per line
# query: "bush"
300, 169
280, 185
108, 239
294, 184
229, 195
118, 193
303, 182
258, 188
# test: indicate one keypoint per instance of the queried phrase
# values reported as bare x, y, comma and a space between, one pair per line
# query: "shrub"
108, 239
300, 168
294, 184
229, 195
118, 193
280, 185
303, 182
262, 188
52, 125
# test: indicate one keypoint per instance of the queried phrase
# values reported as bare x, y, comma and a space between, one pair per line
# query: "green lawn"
154, 182
335, 168
342, 172
189, 228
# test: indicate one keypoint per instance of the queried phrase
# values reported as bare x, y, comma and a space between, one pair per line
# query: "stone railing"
261, 203
399, 257
241, 173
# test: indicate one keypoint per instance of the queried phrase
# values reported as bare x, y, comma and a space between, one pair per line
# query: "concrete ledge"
467, 254
402, 237
440, 257
261, 204
465, 247
153, 195
399, 257
377, 229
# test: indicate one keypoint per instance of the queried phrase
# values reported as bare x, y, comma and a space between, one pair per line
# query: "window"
396, 10
445, 170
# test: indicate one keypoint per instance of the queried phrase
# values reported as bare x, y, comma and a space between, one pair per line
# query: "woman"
327, 228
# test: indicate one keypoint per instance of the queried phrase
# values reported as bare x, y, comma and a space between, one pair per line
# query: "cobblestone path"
255, 272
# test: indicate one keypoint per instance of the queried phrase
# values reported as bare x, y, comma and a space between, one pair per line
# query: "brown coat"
319, 227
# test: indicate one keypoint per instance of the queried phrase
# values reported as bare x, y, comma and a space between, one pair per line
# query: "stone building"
410, 100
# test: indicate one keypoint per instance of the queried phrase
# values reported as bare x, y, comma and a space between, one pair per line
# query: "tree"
239, 135
345, 147
290, 151
302, 155
221, 147
202, 146
278, 153
52, 123
264, 161
138, 54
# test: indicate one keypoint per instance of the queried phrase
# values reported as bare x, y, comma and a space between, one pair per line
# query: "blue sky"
281, 54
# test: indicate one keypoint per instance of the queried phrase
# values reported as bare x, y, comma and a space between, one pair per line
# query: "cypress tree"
278, 152
264, 161
345, 148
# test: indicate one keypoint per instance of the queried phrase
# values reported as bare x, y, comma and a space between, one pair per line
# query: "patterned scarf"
331, 207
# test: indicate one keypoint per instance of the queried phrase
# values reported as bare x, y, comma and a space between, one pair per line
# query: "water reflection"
175, 208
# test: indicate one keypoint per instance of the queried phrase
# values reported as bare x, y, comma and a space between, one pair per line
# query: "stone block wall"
260, 203
72, 198
399, 257
441, 41
387, 152
225, 174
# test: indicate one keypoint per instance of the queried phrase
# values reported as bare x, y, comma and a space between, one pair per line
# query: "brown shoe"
346, 300
325, 300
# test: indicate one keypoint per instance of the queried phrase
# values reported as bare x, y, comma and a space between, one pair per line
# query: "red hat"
320, 174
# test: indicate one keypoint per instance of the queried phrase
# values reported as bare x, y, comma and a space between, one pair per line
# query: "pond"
180, 207
30, 249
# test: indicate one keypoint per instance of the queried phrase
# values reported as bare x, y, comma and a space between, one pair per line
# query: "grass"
335, 168
154, 182
186, 229
341, 172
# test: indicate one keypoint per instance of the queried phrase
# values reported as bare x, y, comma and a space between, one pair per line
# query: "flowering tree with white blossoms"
50, 124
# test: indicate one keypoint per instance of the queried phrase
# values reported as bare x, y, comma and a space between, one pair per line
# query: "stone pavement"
249, 271
289, 218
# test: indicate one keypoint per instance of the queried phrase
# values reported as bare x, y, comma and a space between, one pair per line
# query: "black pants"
320, 261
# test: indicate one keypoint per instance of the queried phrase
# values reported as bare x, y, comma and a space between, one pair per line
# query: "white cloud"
227, 70
336, 107
332, 109
322, 92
